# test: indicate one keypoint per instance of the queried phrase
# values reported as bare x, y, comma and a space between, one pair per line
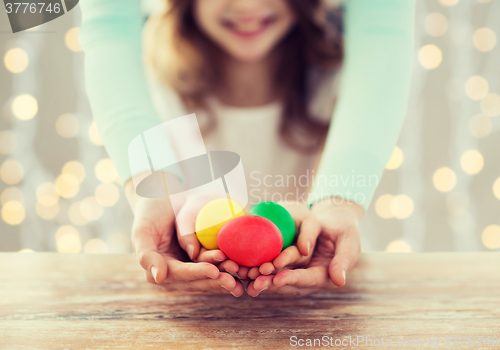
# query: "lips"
248, 27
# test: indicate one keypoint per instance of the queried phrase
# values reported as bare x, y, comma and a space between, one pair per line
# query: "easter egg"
212, 217
280, 217
250, 240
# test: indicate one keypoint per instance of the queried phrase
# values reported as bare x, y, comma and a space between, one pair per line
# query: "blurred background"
440, 191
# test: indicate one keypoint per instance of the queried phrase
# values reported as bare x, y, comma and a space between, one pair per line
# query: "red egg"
250, 240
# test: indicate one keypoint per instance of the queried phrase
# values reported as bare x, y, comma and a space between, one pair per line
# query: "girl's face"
248, 30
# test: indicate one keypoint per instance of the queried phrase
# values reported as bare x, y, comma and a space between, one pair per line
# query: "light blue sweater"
367, 120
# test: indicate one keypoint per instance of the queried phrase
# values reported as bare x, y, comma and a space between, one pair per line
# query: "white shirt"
274, 171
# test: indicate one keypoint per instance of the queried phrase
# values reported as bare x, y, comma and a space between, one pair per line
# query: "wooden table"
55, 301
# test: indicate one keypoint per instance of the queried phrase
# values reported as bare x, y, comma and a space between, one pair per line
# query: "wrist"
132, 197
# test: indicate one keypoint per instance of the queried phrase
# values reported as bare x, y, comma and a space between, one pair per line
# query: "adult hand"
161, 251
337, 250
298, 254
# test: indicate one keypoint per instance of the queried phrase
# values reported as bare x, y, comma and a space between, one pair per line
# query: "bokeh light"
444, 179
484, 39
24, 107
107, 194
95, 246
402, 206
13, 213
27, 250
67, 125
67, 185
8, 142
496, 188
436, 24
11, 194
16, 60
490, 105
480, 126
105, 171
72, 39
75, 214
91, 209
11, 172
74, 168
68, 240
396, 159
47, 194
383, 206
398, 246
476, 87
47, 212
472, 162
94, 136
491, 237
430, 56
448, 3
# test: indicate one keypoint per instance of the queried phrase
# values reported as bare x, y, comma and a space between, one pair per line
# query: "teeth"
248, 27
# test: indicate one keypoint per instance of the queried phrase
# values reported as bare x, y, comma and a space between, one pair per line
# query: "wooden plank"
55, 301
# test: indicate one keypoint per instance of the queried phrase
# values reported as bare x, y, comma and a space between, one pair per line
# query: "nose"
247, 7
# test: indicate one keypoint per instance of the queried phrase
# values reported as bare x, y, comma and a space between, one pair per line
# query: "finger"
185, 272
243, 272
185, 221
253, 273
266, 268
289, 257
224, 281
229, 266
252, 291
212, 256
263, 283
347, 252
190, 244
146, 249
238, 290
149, 277
316, 276
310, 228
295, 291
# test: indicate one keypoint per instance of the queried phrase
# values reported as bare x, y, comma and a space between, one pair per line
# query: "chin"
248, 54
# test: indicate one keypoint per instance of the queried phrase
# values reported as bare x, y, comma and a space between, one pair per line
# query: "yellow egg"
212, 217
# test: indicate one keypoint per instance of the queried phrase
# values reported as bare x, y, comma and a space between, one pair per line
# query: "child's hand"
337, 250
298, 254
162, 252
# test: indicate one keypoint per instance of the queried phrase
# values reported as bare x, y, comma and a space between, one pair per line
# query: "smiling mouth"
248, 28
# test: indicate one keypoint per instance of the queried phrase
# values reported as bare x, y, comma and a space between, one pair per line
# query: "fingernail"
190, 250
232, 294
224, 287
154, 272
343, 274
261, 291
308, 248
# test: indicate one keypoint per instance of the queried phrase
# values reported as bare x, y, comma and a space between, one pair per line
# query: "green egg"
280, 217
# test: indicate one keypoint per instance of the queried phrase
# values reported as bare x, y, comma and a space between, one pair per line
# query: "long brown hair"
184, 58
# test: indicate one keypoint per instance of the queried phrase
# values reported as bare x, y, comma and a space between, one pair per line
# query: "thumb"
347, 251
146, 250
185, 221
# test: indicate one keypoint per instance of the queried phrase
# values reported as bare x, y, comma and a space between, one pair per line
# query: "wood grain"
55, 301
